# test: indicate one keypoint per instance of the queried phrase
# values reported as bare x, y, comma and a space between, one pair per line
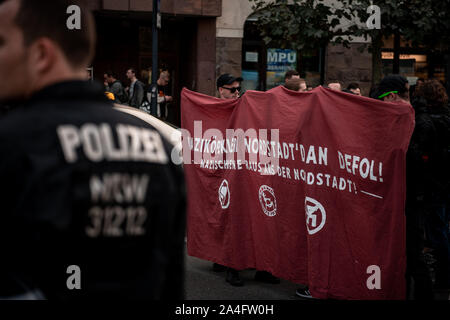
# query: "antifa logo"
315, 215
267, 200
224, 194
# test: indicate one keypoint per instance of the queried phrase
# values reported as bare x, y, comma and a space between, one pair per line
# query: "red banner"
308, 186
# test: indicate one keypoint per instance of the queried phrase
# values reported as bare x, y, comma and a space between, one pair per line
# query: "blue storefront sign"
278, 62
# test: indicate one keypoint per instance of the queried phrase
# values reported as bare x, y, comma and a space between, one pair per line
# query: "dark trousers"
418, 279
438, 237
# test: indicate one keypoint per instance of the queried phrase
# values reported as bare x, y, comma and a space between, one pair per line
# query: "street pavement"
204, 284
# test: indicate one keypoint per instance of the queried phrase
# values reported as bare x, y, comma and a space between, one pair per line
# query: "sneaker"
218, 267
267, 277
233, 278
304, 293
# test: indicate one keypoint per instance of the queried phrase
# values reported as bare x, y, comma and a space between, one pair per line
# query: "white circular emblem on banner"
268, 200
315, 215
224, 194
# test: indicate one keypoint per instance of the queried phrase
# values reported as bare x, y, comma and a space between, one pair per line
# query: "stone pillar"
229, 56
230, 31
206, 56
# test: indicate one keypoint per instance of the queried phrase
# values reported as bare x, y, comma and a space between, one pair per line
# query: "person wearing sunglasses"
228, 86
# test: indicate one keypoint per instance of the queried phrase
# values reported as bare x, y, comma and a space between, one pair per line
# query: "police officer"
91, 204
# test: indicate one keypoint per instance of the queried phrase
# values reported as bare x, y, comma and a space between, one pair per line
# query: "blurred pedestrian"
136, 90
164, 98
430, 148
303, 85
334, 85
354, 88
412, 89
116, 88
292, 84
291, 74
296, 84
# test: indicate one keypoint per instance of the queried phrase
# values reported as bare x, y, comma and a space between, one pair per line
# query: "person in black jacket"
92, 205
395, 88
430, 161
116, 88
136, 91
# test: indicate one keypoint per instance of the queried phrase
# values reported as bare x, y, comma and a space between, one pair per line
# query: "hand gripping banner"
309, 186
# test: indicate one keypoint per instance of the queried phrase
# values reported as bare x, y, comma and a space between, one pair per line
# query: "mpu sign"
281, 59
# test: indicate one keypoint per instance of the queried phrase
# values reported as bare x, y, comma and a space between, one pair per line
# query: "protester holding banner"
292, 84
353, 88
296, 84
291, 74
430, 169
316, 197
228, 87
396, 88
335, 85
393, 88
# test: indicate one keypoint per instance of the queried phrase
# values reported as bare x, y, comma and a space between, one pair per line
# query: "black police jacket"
428, 155
91, 204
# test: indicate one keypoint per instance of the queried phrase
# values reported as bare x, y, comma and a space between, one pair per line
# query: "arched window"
264, 66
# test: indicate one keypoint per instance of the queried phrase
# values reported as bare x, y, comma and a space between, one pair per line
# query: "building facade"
187, 43
235, 29
201, 39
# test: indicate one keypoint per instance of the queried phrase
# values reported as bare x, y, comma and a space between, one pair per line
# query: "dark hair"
133, 70
110, 73
353, 86
293, 84
290, 73
393, 82
48, 18
433, 92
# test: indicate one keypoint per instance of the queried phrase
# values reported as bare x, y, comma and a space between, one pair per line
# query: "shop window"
412, 66
278, 62
263, 67
414, 62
